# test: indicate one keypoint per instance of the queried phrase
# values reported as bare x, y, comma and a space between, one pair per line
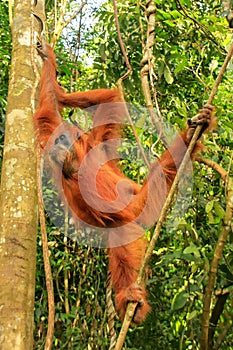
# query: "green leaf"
179, 301
219, 210
175, 14
211, 218
191, 315
170, 23
229, 124
209, 206
161, 15
192, 249
168, 75
65, 69
161, 68
181, 65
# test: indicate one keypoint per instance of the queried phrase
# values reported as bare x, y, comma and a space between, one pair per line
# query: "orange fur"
126, 243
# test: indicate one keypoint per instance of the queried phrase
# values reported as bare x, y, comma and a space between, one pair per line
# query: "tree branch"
215, 166
122, 46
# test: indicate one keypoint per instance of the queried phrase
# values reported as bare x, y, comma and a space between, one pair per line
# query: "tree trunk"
18, 202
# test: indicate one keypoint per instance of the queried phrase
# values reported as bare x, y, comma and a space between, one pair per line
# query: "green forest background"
191, 42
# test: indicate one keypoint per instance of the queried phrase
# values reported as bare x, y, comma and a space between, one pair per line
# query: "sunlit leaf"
168, 75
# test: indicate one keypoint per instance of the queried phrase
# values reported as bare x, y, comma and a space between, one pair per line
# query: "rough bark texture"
18, 207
